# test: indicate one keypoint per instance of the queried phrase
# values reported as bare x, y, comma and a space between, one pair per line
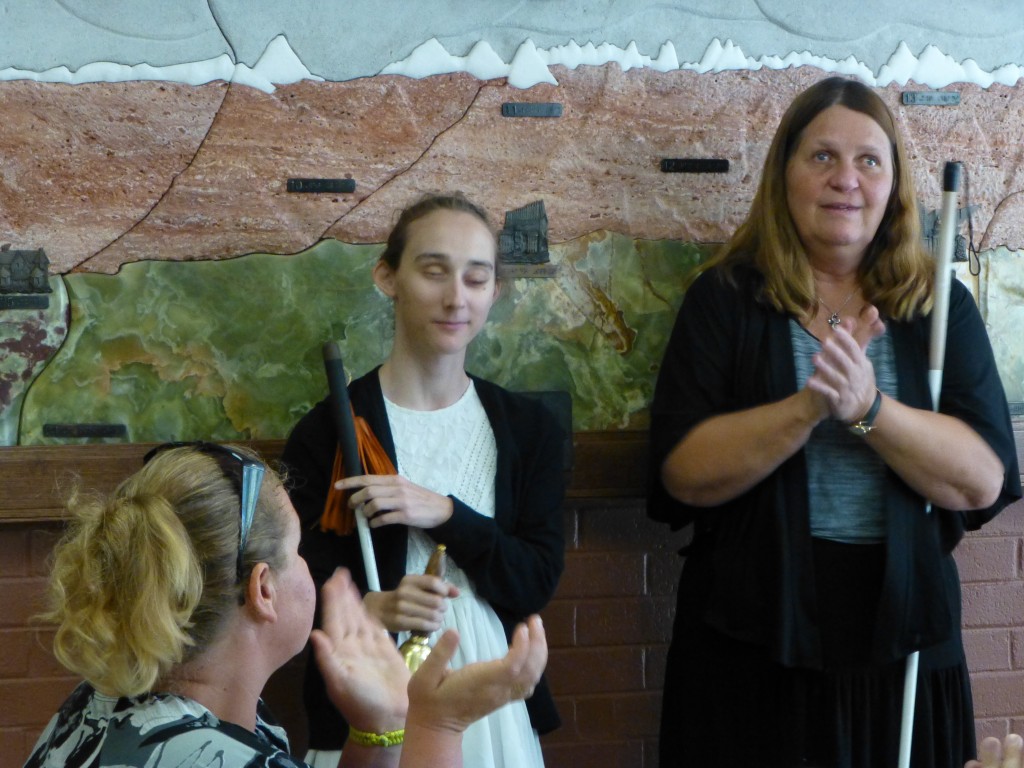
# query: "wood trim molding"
37, 478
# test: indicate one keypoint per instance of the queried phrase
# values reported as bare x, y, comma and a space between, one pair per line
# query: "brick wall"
608, 627
32, 683
993, 620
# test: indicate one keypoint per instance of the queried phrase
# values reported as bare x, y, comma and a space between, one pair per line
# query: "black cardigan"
748, 572
515, 560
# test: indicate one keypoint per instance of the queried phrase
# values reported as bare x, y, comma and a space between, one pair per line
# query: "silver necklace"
834, 319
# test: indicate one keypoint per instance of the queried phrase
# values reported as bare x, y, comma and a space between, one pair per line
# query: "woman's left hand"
365, 675
843, 374
391, 499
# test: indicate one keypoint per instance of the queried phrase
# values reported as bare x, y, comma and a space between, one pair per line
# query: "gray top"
845, 477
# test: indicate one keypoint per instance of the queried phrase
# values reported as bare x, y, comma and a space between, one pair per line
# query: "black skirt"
726, 702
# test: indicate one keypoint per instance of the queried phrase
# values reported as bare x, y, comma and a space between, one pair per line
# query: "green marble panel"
28, 338
232, 349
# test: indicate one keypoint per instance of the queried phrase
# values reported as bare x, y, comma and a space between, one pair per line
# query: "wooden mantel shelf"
34, 480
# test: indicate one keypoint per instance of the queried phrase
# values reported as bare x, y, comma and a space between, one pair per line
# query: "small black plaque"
694, 165
531, 109
84, 430
932, 98
24, 301
337, 186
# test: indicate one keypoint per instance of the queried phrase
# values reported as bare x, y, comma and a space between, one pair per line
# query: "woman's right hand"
418, 604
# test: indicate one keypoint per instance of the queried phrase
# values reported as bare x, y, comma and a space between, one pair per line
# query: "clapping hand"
365, 675
445, 699
994, 754
843, 374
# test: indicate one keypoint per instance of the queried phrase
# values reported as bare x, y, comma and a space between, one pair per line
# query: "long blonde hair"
144, 579
896, 272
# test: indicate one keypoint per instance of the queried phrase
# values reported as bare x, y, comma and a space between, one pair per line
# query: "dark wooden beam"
36, 479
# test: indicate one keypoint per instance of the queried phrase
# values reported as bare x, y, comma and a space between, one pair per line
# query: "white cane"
342, 410
936, 360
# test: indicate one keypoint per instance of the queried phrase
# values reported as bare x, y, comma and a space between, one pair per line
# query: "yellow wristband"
389, 739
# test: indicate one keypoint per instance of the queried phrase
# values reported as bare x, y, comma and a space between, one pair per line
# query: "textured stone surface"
102, 175
232, 199
140, 176
229, 349
84, 164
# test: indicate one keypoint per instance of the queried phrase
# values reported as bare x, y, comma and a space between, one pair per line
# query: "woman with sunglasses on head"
178, 596
479, 469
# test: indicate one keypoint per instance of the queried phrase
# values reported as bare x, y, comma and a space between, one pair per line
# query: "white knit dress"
452, 451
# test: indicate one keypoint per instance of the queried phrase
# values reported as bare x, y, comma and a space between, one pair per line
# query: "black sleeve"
973, 392
516, 558
697, 380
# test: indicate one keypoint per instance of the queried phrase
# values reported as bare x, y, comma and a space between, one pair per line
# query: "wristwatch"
867, 423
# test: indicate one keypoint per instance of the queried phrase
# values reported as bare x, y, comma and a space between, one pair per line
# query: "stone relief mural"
157, 184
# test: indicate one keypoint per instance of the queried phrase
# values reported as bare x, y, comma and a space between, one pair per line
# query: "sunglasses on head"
245, 474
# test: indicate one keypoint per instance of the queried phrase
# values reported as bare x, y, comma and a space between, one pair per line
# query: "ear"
384, 278
497, 289
260, 594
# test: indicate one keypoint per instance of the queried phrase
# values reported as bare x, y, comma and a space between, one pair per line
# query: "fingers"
436, 664
990, 752
391, 499
341, 603
419, 603
996, 754
424, 612
359, 481
422, 582
867, 326
843, 375
527, 656
1013, 747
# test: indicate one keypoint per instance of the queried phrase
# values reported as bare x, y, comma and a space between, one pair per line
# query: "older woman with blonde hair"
792, 425
178, 596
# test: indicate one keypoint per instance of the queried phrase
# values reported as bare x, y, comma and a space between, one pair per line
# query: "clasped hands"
843, 378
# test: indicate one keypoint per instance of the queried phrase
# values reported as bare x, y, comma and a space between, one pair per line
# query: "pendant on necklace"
834, 320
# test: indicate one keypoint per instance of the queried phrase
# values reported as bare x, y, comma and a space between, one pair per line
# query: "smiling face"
444, 284
838, 182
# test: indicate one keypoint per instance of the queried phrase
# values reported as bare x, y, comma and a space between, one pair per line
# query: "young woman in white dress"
479, 470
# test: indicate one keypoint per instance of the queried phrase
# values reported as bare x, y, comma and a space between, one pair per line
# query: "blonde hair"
896, 273
144, 579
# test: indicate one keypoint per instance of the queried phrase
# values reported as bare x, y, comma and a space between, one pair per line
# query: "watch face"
860, 428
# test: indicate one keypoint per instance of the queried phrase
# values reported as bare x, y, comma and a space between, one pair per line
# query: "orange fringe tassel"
337, 515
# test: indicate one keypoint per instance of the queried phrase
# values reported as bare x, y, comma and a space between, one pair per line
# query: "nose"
455, 293
844, 175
